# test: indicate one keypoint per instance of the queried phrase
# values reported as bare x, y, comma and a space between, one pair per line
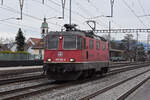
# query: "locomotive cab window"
91, 45
72, 42
52, 42
69, 42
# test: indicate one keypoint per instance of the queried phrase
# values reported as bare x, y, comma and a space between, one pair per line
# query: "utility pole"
2, 2
148, 48
112, 6
21, 7
63, 7
43, 1
70, 14
148, 41
137, 36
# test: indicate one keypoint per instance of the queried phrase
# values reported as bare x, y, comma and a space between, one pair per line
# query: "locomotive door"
84, 51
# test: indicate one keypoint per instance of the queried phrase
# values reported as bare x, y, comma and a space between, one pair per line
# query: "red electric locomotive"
73, 53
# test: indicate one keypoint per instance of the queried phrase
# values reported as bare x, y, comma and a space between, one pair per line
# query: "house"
39, 48
4, 47
30, 44
12, 46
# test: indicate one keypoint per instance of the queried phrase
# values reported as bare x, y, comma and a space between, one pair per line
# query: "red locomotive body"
73, 54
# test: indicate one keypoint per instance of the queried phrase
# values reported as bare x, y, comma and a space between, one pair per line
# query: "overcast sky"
126, 14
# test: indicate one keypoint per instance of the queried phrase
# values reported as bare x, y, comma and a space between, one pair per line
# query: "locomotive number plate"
60, 59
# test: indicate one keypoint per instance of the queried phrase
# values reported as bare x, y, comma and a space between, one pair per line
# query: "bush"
16, 52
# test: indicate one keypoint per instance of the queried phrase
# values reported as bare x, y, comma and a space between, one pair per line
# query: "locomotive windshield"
69, 42
72, 42
52, 42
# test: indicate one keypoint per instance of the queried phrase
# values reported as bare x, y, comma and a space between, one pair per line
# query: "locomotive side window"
69, 42
104, 46
84, 43
97, 45
52, 42
79, 43
91, 44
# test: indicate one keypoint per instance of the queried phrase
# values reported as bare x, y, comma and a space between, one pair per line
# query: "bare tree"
6, 40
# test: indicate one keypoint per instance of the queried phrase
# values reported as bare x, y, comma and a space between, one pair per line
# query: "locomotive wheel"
91, 73
87, 74
103, 71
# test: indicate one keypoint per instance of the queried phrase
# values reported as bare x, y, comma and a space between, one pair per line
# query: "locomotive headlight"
60, 37
49, 60
72, 60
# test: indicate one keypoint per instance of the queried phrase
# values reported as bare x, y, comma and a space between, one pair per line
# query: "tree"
129, 45
20, 40
141, 52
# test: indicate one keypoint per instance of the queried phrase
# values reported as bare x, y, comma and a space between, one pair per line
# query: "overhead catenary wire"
68, 9
134, 13
33, 17
143, 10
58, 11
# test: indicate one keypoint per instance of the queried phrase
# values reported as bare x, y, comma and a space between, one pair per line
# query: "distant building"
30, 44
13, 47
44, 28
4, 47
39, 48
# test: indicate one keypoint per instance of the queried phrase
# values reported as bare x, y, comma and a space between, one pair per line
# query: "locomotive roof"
89, 34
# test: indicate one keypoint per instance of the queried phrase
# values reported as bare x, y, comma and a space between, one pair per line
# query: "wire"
33, 17
134, 13
46, 5
68, 9
142, 8
83, 9
16, 26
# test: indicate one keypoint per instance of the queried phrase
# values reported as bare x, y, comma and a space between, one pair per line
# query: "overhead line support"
122, 31
2, 2
21, 7
63, 8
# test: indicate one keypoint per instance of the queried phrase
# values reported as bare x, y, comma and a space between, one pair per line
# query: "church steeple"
44, 28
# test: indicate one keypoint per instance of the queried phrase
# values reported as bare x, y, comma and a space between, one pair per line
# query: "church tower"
44, 28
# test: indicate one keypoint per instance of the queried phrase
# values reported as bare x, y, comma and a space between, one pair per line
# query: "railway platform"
142, 93
19, 69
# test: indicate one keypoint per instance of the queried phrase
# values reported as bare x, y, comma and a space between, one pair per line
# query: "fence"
19, 56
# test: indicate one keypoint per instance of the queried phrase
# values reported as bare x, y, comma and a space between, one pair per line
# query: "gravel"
17, 85
82, 90
20, 75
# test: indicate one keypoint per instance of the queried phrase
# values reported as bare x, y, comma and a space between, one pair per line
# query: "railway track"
47, 87
125, 64
122, 97
34, 77
21, 79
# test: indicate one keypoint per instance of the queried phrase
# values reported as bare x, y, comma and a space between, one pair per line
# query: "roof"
35, 40
116, 50
31, 42
77, 32
39, 45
